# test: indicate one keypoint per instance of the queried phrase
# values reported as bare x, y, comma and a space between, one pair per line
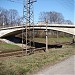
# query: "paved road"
66, 67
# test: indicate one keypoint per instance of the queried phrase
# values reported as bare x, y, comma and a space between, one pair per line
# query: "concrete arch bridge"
9, 31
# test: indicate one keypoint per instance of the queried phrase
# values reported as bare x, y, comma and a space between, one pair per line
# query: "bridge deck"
8, 31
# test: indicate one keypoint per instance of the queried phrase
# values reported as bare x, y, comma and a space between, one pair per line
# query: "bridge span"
8, 31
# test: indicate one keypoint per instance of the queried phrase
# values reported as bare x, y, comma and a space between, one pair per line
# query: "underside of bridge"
16, 37
13, 33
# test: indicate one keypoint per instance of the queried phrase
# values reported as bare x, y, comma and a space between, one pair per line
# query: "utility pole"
46, 35
28, 20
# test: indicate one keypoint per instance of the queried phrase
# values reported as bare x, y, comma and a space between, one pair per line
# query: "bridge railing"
56, 25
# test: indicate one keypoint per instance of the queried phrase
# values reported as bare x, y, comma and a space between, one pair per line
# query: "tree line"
53, 18
9, 17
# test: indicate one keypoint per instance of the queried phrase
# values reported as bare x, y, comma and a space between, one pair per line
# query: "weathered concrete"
18, 29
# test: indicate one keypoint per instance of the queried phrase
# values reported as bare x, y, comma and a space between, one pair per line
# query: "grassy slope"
54, 40
8, 47
27, 64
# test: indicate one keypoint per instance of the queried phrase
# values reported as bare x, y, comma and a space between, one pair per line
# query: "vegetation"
9, 17
54, 40
27, 64
8, 47
53, 17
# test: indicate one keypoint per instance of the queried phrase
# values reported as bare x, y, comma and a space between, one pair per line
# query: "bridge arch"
4, 32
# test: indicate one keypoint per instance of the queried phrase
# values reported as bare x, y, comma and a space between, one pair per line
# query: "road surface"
66, 67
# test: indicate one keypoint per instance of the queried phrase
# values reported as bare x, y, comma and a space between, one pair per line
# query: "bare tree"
68, 22
56, 17
9, 17
53, 17
13, 16
19, 20
3, 16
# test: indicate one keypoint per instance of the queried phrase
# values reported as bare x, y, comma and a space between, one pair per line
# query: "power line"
28, 20
15, 1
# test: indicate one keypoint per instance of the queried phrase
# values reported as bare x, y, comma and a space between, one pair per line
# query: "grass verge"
28, 64
54, 40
